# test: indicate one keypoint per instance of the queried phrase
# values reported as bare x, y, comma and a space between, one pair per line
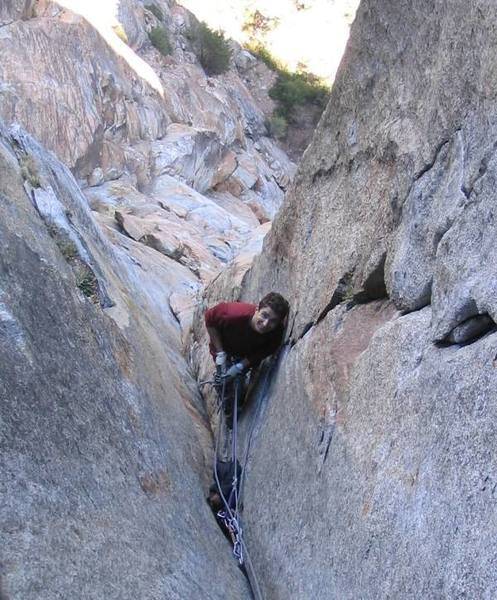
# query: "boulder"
235, 207
194, 207
188, 154
171, 239
224, 169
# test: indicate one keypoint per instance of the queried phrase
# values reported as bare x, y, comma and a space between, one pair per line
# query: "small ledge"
470, 330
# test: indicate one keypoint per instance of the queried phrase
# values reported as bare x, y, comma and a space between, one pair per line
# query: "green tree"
277, 126
211, 49
292, 89
160, 40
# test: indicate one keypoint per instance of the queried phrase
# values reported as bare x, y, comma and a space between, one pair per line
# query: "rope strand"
231, 517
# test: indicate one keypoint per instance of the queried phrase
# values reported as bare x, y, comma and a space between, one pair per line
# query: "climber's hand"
221, 359
234, 371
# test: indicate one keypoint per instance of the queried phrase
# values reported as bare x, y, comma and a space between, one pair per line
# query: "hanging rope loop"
230, 514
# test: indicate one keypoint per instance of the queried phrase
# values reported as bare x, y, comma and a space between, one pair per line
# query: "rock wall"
105, 448
373, 470
373, 473
180, 161
411, 117
159, 176
101, 102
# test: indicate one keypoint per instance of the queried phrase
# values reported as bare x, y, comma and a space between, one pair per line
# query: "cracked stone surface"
377, 450
105, 447
105, 452
377, 446
127, 120
465, 271
469, 330
435, 201
410, 95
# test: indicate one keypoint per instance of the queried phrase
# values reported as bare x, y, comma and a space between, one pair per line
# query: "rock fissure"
481, 170
470, 330
116, 381
373, 289
343, 292
415, 424
88, 495
417, 176
375, 438
305, 330
322, 172
326, 438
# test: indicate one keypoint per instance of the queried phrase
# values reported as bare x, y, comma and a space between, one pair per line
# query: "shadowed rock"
470, 330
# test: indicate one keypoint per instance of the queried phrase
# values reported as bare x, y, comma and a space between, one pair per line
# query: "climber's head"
271, 313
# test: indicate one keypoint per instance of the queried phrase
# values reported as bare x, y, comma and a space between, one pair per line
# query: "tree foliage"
160, 40
292, 89
211, 49
297, 89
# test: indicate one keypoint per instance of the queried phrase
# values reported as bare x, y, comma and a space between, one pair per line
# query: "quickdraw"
235, 531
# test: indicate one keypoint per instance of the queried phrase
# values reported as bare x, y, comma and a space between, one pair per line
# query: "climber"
242, 335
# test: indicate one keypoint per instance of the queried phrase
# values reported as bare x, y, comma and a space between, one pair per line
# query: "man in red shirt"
245, 332
241, 335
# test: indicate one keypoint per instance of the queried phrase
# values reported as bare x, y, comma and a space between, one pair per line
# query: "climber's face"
265, 320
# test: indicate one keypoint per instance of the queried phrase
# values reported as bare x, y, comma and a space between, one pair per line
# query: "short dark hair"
277, 303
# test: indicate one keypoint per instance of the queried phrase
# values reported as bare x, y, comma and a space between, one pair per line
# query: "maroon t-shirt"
232, 321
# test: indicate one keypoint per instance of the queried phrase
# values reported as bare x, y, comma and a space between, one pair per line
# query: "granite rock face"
410, 119
434, 202
11, 10
377, 448
120, 100
127, 120
105, 447
159, 177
